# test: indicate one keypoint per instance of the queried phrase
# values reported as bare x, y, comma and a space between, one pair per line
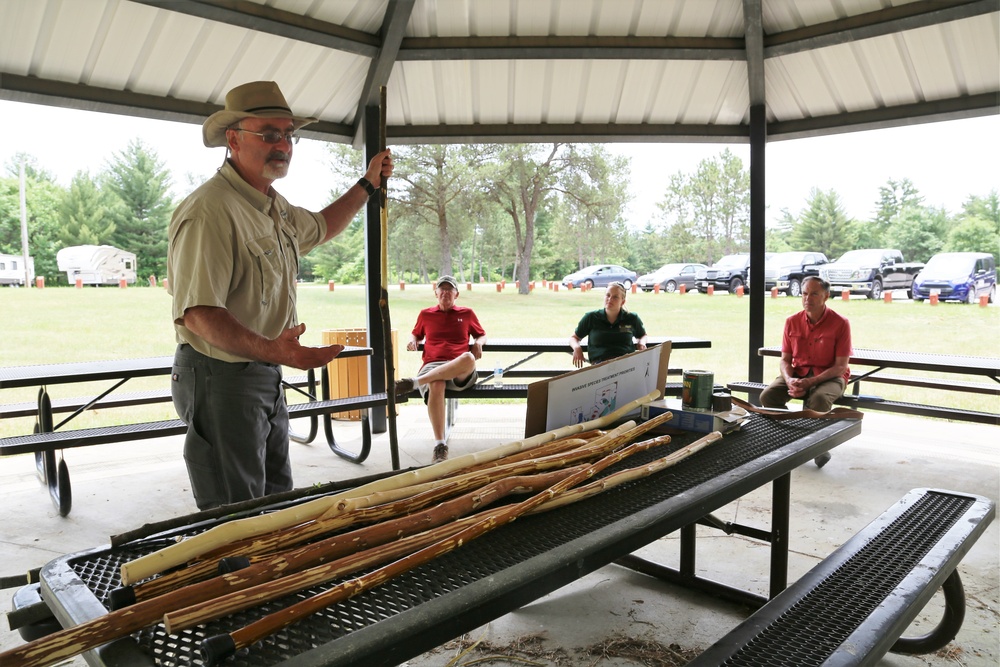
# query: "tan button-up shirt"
233, 247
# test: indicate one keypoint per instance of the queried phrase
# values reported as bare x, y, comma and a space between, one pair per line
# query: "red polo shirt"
446, 332
815, 347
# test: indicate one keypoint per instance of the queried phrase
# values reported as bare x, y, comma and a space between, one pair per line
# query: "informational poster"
595, 391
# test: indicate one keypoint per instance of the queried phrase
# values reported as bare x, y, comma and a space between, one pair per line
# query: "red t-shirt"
446, 332
815, 347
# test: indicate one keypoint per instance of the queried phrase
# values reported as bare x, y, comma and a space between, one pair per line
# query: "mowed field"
55, 325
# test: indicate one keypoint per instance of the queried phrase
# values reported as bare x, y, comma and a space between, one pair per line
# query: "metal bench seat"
84, 437
870, 402
853, 607
55, 474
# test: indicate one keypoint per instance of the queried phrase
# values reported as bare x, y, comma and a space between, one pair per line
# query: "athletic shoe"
404, 386
440, 453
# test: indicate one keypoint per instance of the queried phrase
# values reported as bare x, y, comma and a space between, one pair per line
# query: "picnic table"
960, 367
490, 576
48, 439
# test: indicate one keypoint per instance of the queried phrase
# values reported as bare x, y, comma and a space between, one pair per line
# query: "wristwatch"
367, 185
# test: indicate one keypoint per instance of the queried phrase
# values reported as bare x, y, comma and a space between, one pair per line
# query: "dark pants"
236, 447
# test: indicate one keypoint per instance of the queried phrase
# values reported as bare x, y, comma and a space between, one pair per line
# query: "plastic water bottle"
498, 376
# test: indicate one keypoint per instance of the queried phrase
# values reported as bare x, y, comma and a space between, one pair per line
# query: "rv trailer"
12, 270
97, 264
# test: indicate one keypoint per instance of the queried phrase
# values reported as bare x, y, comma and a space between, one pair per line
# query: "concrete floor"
119, 487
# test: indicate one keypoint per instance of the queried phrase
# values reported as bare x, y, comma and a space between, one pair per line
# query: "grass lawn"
65, 324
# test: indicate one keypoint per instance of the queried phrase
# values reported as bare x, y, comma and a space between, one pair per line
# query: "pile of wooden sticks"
392, 525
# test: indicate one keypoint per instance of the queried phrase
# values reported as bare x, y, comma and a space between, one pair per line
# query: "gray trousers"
819, 398
236, 447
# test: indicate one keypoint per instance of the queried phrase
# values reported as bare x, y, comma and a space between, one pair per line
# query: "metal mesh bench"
853, 607
869, 402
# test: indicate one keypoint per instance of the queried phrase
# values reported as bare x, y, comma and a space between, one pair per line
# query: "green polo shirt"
608, 340
233, 247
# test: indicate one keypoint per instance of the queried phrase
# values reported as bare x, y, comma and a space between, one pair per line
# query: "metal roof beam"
577, 132
33, 90
754, 32
875, 24
571, 48
394, 22
969, 106
264, 19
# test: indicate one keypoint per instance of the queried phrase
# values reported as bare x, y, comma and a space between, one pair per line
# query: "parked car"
670, 277
870, 272
787, 270
600, 275
957, 276
729, 273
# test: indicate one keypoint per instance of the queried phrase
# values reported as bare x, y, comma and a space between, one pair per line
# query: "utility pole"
24, 229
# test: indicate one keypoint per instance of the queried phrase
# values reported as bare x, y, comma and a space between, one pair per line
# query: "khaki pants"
819, 398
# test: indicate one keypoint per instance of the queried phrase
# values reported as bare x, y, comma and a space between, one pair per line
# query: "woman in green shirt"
611, 331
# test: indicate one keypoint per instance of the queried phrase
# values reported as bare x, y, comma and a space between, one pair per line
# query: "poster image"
599, 390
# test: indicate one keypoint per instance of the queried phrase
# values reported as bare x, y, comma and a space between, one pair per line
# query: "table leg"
781, 494
313, 419
366, 432
777, 537
55, 475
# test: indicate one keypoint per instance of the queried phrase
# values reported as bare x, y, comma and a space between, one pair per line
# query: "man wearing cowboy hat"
449, 360
232, 265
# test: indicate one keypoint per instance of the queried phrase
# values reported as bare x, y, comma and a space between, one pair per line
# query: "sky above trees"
945, 161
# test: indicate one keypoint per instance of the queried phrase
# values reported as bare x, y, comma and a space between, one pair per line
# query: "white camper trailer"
96, 264
12, 270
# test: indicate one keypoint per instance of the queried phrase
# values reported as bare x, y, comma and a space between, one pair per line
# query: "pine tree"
142, 211
84, 218
824, 226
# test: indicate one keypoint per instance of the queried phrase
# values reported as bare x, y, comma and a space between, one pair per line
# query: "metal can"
722, 402
697, 390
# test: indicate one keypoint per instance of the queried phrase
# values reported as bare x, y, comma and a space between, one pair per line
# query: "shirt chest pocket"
267, 266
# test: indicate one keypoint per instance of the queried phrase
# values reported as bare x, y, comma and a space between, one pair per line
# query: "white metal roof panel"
119, 48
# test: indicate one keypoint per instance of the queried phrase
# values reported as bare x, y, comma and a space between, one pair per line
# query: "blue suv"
957, 276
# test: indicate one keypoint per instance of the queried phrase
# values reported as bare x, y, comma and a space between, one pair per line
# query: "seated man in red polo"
449, 360
815, 350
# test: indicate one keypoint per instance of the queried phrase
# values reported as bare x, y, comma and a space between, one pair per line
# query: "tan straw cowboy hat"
257, 99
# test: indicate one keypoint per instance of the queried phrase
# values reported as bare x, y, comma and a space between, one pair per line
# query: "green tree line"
126, 205
490, 212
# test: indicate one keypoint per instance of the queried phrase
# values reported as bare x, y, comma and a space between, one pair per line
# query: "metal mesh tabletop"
484, 578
